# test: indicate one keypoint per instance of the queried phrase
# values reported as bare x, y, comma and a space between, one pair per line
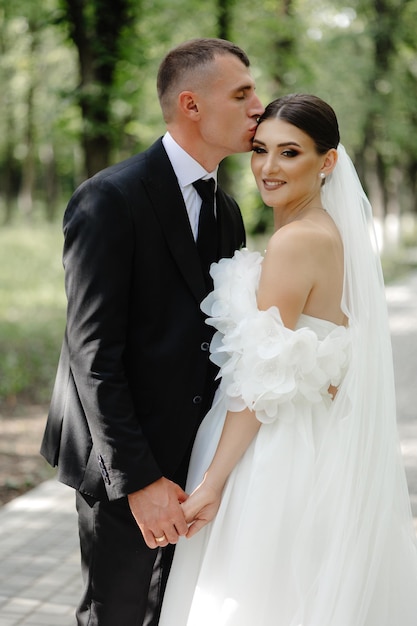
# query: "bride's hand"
201, 507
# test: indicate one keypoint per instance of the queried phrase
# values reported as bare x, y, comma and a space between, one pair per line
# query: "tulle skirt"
275, 554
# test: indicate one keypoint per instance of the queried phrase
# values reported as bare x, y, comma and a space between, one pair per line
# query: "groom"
134, 379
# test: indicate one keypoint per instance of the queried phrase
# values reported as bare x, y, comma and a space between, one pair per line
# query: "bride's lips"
271, 185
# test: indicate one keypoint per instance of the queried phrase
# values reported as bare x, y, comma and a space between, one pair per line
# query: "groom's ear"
187, 103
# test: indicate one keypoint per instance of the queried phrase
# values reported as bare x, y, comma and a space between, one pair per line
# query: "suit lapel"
168, 204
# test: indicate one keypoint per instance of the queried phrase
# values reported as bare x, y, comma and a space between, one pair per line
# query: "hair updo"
310, 114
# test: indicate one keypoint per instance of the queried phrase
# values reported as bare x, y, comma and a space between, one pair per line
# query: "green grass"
32, 311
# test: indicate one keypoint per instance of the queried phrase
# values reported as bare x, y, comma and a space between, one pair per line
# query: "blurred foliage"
361, 56
32, 311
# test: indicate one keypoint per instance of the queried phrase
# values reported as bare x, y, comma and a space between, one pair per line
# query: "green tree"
35, 76
78, 86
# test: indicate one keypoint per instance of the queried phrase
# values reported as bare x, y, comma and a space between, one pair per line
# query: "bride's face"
286, 165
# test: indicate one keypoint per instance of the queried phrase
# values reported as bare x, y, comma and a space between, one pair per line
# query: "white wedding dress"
315, 525
268, 558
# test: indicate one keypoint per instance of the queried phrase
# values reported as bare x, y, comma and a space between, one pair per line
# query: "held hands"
158, 513
201, 507
164, 512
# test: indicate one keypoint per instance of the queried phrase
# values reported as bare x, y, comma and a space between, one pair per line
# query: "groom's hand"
158, 513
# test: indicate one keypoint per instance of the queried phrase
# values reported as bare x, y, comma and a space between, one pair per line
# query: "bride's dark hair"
310, 114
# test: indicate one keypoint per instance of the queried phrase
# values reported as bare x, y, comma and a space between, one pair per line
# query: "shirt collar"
186, 168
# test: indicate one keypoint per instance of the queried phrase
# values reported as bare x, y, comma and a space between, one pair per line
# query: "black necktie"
207, 227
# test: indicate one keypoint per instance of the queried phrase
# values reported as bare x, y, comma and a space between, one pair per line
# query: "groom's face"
229, 107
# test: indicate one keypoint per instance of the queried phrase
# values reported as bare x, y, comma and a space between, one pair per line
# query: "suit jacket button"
197, 400
205, 346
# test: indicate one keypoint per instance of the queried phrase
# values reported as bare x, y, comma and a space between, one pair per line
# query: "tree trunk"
96, 32
9, 176
50, 182
285, 43
28, 171
376, 172
224, 18
224, 24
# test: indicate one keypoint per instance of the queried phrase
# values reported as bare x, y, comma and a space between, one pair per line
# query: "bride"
299, 513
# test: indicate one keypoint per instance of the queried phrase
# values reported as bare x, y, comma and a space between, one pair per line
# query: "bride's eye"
258, 150
290, 153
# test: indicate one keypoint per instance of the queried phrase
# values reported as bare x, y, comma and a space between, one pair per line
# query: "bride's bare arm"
240, 428
287, 280
238, 432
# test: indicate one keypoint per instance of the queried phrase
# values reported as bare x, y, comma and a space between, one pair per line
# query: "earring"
322, 175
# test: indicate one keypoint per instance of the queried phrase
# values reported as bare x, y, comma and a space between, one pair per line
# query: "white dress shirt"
187, 171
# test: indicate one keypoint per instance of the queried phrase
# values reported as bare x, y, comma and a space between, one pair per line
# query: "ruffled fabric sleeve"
262, 363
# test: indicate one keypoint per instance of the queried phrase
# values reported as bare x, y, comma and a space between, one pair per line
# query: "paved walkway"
39, 559
402, 303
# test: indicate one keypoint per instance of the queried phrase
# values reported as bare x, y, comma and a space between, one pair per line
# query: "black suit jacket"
133, 380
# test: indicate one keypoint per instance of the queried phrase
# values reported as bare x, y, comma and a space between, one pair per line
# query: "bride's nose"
270, 165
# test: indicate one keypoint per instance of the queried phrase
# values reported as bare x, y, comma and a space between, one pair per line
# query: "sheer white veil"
370, 508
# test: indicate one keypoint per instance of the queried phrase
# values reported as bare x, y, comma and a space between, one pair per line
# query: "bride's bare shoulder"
298, 234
